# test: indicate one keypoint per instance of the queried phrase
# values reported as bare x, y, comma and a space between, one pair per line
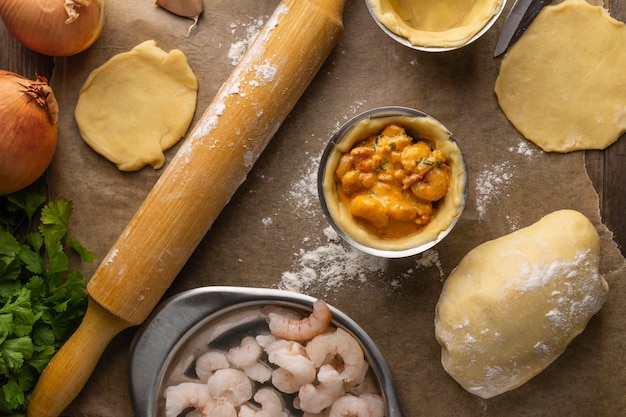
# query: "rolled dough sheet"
136, 105
563, 84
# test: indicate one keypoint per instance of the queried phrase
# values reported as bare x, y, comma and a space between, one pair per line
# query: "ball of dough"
563, 84
513, 304
136, 105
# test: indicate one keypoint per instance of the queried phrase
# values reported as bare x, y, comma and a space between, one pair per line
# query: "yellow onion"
54, 27
28, 126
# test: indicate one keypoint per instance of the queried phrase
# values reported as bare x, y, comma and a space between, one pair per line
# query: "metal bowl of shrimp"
392, 182
252, 352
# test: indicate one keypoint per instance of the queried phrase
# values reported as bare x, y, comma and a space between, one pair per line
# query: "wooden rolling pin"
199, 181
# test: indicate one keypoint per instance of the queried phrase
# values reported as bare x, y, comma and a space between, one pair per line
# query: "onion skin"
28, 122
45, 27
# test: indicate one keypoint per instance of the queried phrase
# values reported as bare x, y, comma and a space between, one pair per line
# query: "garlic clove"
185, 8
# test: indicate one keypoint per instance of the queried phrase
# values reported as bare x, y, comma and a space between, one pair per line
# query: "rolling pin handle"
71, 371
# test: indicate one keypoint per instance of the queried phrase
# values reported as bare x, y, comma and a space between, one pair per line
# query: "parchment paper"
273, 228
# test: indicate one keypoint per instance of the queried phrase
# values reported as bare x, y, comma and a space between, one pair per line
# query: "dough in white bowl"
436, 23
514, 304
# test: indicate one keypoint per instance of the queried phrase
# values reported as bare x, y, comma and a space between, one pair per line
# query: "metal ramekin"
404, 41
414, 245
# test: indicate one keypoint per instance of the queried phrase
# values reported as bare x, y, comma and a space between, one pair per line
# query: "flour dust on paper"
494, 182
327, 264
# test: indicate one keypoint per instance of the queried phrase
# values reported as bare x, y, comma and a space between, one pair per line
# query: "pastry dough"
449, 208
435, 23
563, 84
137, 105
513, 304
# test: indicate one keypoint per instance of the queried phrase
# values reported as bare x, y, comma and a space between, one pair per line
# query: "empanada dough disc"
137, 105
513, 304
563, 83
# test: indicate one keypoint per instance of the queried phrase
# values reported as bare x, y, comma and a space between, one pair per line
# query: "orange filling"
391, 182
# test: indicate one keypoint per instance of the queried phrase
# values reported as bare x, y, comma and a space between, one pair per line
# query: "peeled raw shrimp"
232, 385
271, 405
315, 398
352, 406
223, 408
328, 346
246, 354
375, 404
265, 340
246, 357
294, 368
287, 327
188, 395
210, 362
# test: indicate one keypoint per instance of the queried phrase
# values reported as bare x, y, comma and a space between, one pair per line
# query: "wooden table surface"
606, 169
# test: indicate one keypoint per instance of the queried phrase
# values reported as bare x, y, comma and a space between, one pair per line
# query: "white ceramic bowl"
417, 125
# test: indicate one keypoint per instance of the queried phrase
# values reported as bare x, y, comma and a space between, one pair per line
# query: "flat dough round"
513, 304
563, 84
137, 105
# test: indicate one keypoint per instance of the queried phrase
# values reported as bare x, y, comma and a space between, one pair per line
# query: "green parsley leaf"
55, 219
43, 298
16, 350
85, 254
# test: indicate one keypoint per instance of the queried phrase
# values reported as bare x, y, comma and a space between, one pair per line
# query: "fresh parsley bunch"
42, 299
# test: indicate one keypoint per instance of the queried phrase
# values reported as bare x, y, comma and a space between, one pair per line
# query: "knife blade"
519, 19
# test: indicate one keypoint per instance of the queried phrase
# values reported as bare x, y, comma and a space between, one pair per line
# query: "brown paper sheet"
273, 233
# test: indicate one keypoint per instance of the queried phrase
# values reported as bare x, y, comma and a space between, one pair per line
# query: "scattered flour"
303, 193
428, 259
331, 266
491, 183
334, 263
353, 111
265, 71
240, 46
523, 148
